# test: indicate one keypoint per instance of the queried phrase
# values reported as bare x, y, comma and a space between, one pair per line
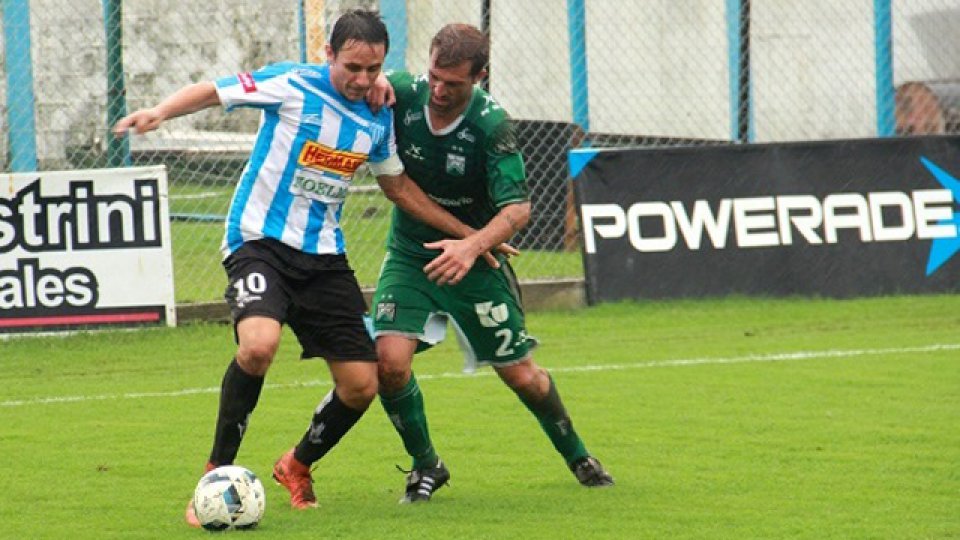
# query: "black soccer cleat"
421, 483
590, 472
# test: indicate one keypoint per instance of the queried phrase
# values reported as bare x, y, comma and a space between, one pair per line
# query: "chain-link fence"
571, 72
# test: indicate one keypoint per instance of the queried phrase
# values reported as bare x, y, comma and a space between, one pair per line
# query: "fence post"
579, 81
394, 14
302, 29
118, 149
883, 49
485, 16
21, 128
738, 54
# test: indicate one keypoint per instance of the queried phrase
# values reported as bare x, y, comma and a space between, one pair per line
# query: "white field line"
774, 357
201, 195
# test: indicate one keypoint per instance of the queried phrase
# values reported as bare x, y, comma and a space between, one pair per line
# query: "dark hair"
361, 25
456, 43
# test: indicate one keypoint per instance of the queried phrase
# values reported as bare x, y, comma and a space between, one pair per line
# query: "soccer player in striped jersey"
283, 247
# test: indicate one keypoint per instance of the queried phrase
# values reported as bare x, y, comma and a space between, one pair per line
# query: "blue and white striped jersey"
310, 142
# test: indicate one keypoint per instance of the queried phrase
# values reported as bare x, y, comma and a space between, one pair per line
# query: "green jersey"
471, 168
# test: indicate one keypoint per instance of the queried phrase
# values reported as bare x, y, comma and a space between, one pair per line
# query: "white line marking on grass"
774, 357
200, 195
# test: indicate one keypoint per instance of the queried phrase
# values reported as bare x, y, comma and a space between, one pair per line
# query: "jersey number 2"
507, 336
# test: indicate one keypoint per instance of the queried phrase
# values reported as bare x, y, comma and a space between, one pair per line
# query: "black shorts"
317, 295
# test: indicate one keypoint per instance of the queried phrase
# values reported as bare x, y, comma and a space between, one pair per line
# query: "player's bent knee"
358, 393
258, 352
256, 358
526, 380
392, 378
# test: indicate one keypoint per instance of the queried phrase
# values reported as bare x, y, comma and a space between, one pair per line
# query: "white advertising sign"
85, 248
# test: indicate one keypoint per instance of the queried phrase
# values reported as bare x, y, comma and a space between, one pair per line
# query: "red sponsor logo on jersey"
319, 156
246, 81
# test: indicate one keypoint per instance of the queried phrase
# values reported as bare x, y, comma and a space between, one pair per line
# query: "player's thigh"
327, 318
255, 288
404, 300
488, 314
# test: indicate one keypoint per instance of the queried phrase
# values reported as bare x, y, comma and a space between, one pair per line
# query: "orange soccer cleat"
295, 476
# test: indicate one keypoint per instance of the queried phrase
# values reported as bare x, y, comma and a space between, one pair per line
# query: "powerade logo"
944, 247
784, 220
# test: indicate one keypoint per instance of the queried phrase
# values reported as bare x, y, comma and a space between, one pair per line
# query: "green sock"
555, 421
406, 412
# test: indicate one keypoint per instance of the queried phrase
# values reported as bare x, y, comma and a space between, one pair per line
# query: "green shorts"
484, 308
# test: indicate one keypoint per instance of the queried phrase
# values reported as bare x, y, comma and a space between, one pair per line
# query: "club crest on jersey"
247, 82
320, 156
386, 311
456, 164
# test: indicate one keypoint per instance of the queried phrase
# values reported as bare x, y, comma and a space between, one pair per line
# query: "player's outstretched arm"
406, 194
189, 99
457, 256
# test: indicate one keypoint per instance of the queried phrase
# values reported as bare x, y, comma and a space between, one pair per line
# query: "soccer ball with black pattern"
229, 497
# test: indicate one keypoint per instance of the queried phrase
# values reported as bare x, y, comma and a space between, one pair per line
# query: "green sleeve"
508, 180
403, 86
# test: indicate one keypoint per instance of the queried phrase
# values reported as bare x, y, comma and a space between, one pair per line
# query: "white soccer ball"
229, 497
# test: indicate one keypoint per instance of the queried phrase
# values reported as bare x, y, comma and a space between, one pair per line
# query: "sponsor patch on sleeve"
247, 82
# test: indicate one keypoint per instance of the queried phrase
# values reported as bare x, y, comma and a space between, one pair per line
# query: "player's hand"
141, 121
381, 94
508, 250
452, 265
491, 259
503, 249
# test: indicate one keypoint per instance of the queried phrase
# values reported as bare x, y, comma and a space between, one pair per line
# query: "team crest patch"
456, 164
386, 311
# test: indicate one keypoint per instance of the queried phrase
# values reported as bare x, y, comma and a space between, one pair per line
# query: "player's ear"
329, 52
480, 76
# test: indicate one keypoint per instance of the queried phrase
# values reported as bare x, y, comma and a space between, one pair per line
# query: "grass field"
735, 418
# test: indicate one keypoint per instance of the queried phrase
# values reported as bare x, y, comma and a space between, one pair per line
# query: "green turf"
733, 418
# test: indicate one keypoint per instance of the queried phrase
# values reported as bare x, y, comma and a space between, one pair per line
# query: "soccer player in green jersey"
459, 146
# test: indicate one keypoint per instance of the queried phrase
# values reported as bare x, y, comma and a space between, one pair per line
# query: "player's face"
355, 67
450, 87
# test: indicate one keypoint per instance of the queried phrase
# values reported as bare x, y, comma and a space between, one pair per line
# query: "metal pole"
394, 14
118, 149
883, 49
579, 82
302, 30
21, 128
485, 28
738, 50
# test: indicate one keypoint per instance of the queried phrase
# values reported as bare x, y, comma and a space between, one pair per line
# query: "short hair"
362, 25
457, 42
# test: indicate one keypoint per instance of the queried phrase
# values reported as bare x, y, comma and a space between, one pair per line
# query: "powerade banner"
82, 249
837, 219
